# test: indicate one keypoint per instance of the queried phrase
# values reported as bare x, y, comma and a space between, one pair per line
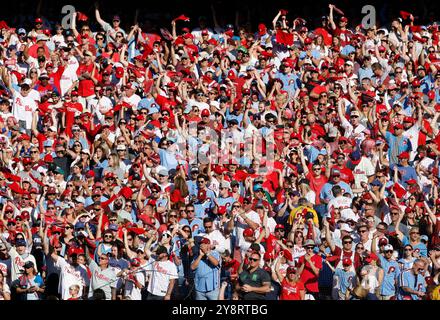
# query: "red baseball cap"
205, 113
346, 262
248, 232
404, 155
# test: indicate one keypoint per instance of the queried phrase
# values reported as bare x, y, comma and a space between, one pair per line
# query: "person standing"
309, 266
206, 266
254, 282
103, 277
292, 287
163, 275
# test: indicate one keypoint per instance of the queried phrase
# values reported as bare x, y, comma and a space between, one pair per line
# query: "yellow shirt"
301, 211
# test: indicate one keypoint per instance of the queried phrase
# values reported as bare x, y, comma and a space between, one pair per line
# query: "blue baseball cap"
20, 242
80, 225
153, 110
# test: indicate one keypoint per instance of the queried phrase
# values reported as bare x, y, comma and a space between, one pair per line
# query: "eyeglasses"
309, 247
316, 169
119, 36
200, 181
173, 216
360, 248
235, 206
408, 249
99, 38
103, 258
289, 246
186, 230
108, 236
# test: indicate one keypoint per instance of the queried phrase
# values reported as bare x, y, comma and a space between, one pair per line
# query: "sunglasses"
362, 231
253, 259
173, 216
190, 210
348, 242
360, 248
309, 248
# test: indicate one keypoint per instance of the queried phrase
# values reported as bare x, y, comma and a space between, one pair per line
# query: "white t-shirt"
131, 291
133, 101
161, 273
23, 108
17, 263
69, 276
240, 225
69, 75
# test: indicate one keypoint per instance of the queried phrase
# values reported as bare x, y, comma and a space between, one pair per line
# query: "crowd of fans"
220, 163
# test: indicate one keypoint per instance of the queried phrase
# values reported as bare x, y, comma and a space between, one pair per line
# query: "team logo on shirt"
391, 269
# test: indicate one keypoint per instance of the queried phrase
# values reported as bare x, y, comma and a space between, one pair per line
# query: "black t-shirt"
254, 279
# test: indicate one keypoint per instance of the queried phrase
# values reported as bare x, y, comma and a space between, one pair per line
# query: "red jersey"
309, 279
291, 291
344, 35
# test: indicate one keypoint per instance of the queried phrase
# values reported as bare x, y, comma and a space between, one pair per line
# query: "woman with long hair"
114, 166
292, 288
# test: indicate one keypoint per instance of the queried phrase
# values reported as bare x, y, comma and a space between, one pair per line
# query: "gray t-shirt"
102, 279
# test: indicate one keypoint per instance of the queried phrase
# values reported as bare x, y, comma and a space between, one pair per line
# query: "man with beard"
72, 273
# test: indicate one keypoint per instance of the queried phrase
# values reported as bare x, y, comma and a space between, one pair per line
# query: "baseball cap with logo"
346, 262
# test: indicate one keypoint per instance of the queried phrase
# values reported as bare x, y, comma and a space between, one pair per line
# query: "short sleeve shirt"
254, 279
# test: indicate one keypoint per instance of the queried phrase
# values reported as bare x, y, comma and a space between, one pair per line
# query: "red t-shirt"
346, 174
70, 109
86, 87
316, 184
291, 291
272, 244
309, 279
